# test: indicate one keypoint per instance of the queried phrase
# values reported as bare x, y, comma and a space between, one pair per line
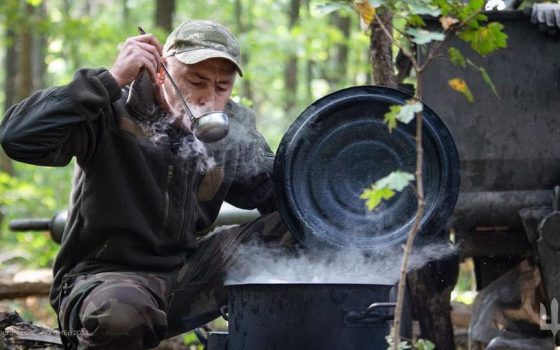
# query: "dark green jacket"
135, 205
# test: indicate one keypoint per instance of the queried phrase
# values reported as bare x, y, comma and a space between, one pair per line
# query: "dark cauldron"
507, 146
311, 316
335, 148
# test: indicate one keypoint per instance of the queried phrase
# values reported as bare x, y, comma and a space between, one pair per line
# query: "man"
130, 270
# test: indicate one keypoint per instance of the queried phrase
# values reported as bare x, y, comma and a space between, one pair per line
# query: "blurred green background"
293, 53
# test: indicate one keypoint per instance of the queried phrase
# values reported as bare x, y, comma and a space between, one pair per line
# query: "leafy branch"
460, 18
456, 18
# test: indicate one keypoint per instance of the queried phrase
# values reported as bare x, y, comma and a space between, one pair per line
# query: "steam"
174, 129
166, 130
242, 143
256, 263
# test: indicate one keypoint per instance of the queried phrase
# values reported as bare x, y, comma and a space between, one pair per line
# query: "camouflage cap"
198, 40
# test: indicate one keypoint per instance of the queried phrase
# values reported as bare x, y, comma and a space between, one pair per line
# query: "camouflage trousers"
136, 310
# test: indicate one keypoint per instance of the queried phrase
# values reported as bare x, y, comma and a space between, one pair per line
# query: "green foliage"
420, 8
385, 188
404, 113
488, 80
325, 9
457, 57
461, 86
81, 34
419, 344
485, 76
87, 34
32, 194
472, 6
373, 196
402, 345
34, 2
485, 39
422, 36
391, 116
191, 340
397, 180
415, 21
456, 15
423, 344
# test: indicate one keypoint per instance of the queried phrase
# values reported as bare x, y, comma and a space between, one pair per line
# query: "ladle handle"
194, 121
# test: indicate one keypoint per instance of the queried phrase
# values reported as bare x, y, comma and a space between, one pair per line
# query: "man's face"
205, 85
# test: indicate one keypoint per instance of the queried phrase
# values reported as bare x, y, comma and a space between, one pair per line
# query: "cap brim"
199, 55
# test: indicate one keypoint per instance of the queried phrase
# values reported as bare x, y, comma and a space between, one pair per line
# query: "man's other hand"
143, 51
547, 17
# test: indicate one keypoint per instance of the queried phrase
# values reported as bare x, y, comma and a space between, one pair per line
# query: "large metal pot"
507, 144
310, 316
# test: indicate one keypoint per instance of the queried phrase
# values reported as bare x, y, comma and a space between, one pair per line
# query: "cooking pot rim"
261, 284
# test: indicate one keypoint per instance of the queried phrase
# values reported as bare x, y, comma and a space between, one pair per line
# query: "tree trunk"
71, 46
309, 78
430, 288
10, 91
290, 70
39, 45
10, 67
125, 12
6, 166
243, 27
25, 69
87, 9
339, 62
164, 14
308, 88
381, 51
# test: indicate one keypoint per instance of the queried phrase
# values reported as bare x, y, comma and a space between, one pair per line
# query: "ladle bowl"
211, 127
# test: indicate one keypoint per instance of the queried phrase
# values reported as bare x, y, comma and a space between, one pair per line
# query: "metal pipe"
477, 210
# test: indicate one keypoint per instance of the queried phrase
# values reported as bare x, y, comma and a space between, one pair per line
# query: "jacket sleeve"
252, 186
53, 125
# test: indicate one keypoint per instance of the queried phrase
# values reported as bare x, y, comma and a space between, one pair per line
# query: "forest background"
293, 53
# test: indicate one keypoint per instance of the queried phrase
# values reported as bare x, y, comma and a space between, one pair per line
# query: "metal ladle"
208, 127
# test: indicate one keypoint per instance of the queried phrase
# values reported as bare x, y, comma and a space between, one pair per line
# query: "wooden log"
23, 290
492, 242
25, 284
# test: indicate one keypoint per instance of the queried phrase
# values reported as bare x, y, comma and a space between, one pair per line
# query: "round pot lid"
340, 145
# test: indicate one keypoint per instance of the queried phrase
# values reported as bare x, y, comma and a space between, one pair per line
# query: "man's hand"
547, 17
143, 51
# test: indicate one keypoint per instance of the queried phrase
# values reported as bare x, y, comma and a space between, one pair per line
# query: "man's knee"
269, 228
122, 314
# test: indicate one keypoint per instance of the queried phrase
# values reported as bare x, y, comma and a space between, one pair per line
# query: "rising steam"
261, 264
